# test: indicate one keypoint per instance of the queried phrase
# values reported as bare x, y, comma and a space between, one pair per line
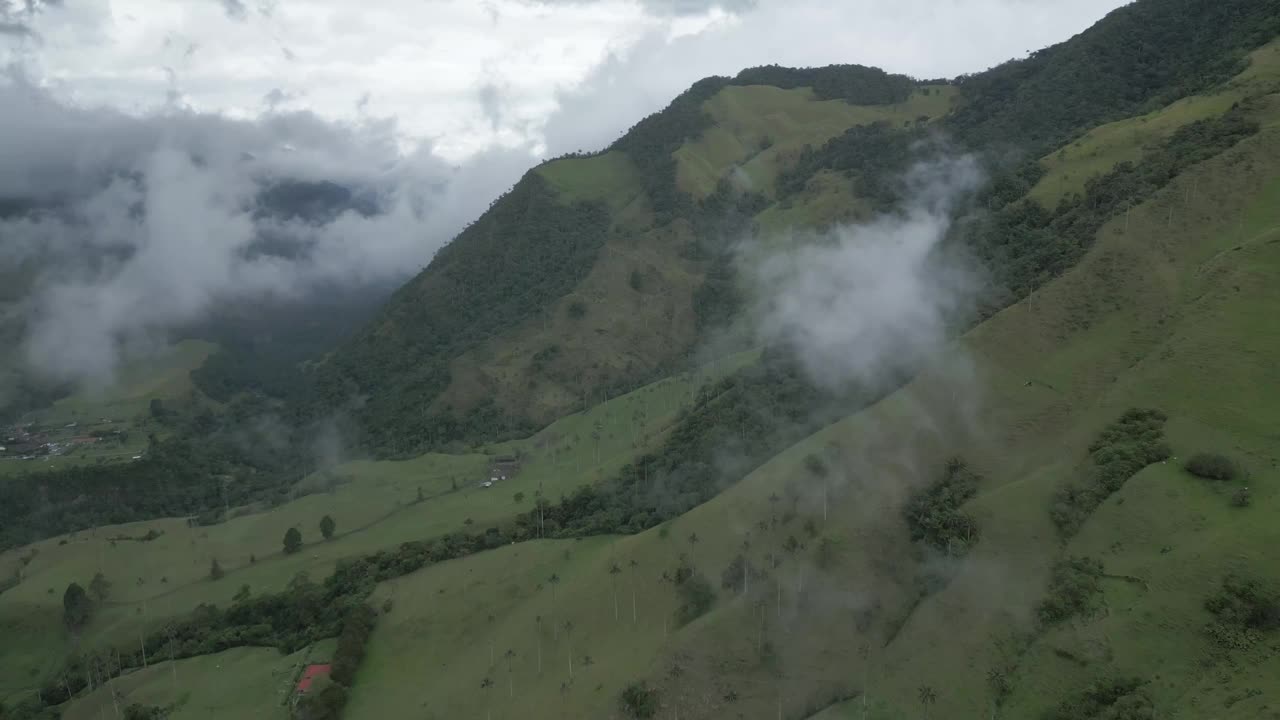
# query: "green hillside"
1069, 512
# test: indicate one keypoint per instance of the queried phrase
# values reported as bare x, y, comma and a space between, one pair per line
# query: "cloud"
15, 29
235, 9
143, 225
860, 303
428, 110
922, 38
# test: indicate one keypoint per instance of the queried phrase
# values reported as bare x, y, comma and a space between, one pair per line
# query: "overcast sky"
154, 122
469, 74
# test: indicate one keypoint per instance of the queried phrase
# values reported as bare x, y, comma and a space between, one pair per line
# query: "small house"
310, 675
503, 467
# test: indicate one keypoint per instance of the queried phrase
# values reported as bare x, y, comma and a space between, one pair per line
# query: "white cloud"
425, 63
436, 106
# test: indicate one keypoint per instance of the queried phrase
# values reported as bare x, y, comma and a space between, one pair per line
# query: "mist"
128, 227
860, 303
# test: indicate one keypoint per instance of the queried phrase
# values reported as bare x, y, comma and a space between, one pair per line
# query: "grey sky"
440, 68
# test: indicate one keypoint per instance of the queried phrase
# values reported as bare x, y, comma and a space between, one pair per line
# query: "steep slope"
582, 280
1149, 284
842, 604
608, 269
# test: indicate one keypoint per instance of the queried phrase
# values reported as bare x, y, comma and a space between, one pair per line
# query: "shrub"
143, 712
639, 701
577, 310
1072, 589
696, 595
1242, 498
933, 514
1212, 466
356, 628
1109, 698
1123, 448
1243, 611
292, 541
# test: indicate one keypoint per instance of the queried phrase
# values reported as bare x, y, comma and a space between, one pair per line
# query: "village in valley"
41, 442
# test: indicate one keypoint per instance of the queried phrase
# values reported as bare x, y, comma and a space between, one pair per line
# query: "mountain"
596, 273
1064, 509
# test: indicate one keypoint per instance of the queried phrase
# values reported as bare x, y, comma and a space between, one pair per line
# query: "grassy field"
1104, 147
1156, 314
610, 177
758, 128
375, 507
238, 683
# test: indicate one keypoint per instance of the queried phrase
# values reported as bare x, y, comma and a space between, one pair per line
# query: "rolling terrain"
1007, 530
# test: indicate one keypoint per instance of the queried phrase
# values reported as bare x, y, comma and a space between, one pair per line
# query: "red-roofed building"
309, 676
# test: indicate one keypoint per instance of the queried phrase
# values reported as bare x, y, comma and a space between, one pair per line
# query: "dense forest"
525, 252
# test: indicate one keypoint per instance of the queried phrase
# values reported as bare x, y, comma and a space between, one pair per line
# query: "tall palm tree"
538, 632
568, 636
554, 580
511, 686
633, 565
927, 697
614, 570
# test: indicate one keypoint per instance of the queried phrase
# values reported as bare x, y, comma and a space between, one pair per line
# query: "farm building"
310, 675
503, 467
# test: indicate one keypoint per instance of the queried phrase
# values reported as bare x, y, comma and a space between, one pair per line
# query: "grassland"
610, 177
374, 504
1101, 149
238, 683
758, 128
1164, 314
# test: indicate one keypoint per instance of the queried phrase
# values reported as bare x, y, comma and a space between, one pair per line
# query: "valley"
604, 490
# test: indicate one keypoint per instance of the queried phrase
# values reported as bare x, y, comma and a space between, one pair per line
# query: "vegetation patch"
1124, 447
1026, 245
1073, 590
872, 156
639, 701
1212, 466
934, 516
1243, 612
1106, 699
732, 428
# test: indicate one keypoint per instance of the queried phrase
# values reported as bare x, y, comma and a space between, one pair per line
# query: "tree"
326, 527
639, 701
292, 541
215, 570
420, 497
99, 587
927, 697
614, 570
568, 636
518, 497
76, 607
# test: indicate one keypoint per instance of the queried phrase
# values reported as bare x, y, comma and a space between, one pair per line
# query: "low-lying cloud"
862, 302
135, 226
